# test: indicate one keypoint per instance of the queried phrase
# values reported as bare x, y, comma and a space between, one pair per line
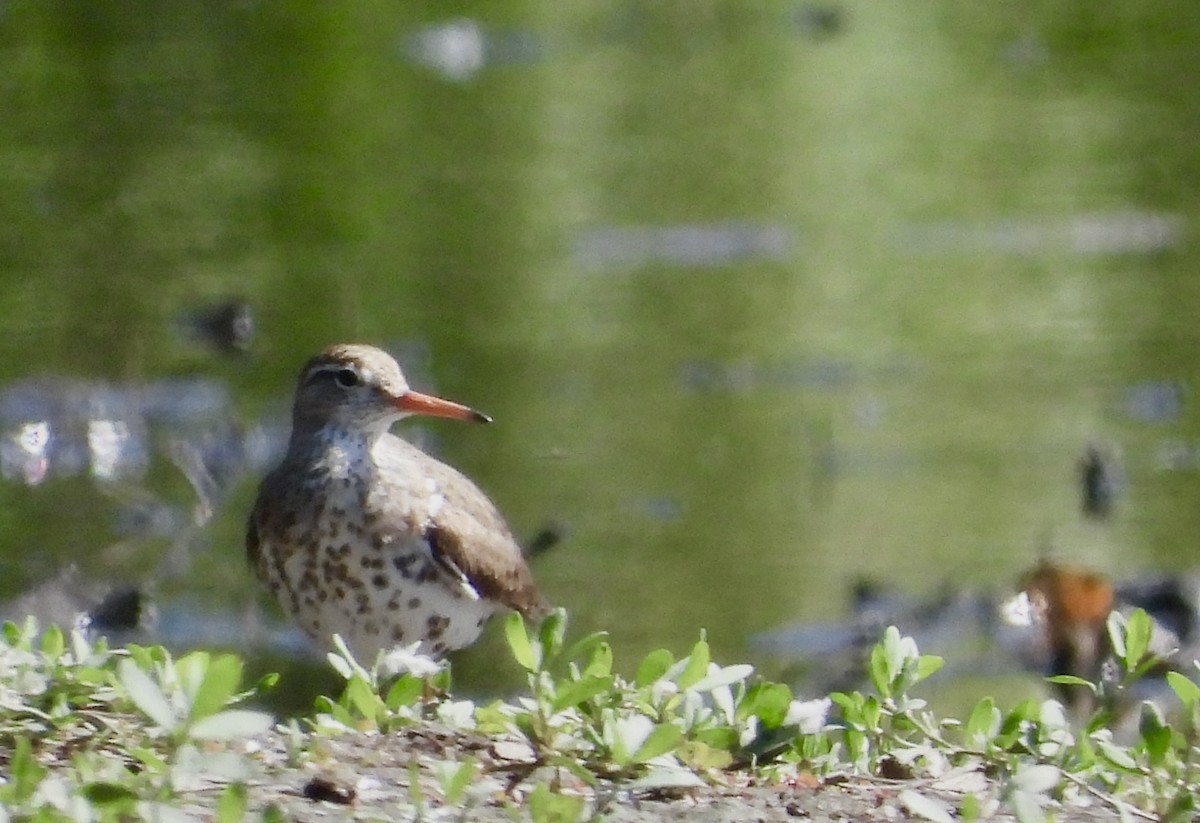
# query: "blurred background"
771, 301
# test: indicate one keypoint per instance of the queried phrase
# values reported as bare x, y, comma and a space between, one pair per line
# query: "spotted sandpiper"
360, 533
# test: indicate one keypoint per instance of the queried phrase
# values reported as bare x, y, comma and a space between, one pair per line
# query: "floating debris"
69, 427
459, 49
662, 508
699, 245
835, 654
1102, 233
1178, 455
23, 454
546, 538
744, 375
226, 326
118, 611
1100, 480
819, 21
1155, 401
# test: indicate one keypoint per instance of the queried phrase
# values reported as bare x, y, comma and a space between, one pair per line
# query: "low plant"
96, 733
92, 733
680, 723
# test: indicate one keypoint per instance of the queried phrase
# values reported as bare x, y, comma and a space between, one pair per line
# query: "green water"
764, 297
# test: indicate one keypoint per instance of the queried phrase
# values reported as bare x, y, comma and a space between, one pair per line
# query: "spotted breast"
360, 533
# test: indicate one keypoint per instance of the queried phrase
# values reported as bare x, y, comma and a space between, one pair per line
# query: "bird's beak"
413, 402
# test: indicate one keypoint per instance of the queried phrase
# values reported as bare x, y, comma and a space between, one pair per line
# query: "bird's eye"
346, 378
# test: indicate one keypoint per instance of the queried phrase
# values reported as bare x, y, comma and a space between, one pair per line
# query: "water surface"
765, 298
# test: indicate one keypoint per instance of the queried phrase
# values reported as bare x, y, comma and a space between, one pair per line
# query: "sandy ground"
371, 777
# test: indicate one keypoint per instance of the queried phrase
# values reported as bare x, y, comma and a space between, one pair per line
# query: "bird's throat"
339, 454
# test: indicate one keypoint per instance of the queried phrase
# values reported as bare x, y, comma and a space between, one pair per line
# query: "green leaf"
600, 662
149, 759
361, 699
231, 805
984, 720
550, 635
190, 670
626, 735
726, 676
232, 724
406, 691
1084, 754
575, 692
1116, 755
1147, 663
25, 773
877, 667
546, 806
696, 666
585, 647
701, 756
1115, 625
666, 737
146, 694
442, 681
110, 794
340, 714
928, 664
415, 793
53, 643
219, 682
1026, 711
653, 667
455, 785
1182, 807
1071, 680
852, 706
1185, 689
769, 702
142, 655
872, 710
1138, 628
27, 633
81, 648
719, 737
518, 642
1155, 734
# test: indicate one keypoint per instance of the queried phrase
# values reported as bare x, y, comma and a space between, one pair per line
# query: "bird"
1067, 608
360, 533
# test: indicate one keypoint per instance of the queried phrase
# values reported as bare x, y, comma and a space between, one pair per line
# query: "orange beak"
417, 403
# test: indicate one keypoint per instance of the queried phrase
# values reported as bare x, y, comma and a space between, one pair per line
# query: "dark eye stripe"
339, 373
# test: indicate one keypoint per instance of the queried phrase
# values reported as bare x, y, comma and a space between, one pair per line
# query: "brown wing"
253, 546
271, 497
468, 533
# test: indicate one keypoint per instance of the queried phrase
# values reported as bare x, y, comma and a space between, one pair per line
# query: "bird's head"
359, 387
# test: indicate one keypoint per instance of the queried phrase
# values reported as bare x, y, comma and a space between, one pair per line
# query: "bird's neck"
335, 451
